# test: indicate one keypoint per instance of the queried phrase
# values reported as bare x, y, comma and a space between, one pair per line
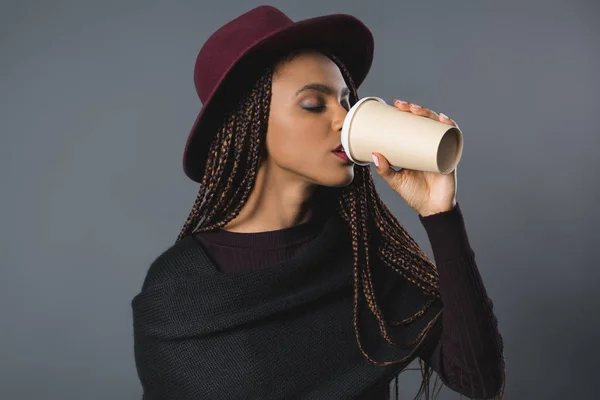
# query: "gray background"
97, 99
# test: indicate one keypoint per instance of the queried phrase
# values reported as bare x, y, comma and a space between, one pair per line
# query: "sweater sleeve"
468, 352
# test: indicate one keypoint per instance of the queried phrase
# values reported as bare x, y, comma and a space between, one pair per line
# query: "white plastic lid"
348, 122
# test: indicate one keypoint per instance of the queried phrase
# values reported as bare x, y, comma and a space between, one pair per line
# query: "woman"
290, 277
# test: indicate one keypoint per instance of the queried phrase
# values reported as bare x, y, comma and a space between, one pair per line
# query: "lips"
339, 152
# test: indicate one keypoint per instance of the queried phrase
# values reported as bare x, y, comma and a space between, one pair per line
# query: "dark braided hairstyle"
231, 168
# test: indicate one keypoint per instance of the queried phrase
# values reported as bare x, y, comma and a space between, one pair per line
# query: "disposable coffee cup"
406, 140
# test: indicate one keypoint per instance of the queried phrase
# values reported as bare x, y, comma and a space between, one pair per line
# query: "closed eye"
319, 109
316, 109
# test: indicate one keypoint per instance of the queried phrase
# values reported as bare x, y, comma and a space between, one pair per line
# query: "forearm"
468, 355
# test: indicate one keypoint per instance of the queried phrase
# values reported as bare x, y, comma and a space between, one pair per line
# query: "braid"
232, 163
360, 204
230, 174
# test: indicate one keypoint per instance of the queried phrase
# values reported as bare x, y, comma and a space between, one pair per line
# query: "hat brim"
343, 35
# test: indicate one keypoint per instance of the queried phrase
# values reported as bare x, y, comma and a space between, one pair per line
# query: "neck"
277, 201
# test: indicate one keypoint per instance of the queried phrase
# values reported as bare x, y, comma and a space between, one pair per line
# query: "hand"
426, 192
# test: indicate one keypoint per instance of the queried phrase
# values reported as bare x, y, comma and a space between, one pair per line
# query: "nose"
338, 120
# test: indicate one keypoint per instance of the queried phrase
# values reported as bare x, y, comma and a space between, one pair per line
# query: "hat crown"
232, 40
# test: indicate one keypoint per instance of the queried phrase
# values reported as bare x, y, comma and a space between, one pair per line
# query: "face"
309, 102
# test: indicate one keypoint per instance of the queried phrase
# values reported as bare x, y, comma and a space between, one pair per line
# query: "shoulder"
180, 261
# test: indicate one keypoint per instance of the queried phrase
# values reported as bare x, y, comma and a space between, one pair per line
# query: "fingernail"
444, 115
401, 102
376, 160
416, 105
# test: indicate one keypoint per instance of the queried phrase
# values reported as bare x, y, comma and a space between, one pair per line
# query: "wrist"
447, 235
429, 211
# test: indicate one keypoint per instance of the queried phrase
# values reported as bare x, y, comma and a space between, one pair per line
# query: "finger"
444, 118
422, 111
402, 105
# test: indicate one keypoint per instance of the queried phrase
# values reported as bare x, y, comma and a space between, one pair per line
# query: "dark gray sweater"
269, 315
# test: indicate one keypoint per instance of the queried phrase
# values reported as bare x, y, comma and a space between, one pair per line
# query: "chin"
338, 180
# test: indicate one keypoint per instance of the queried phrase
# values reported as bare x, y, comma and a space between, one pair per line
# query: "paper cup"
406, 140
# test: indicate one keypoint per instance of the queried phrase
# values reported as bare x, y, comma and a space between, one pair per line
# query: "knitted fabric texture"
286, 331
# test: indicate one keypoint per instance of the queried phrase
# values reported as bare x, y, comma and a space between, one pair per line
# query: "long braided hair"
230, 172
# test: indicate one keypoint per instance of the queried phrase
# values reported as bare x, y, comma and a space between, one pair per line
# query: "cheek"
283, 144
302, 148
294, 140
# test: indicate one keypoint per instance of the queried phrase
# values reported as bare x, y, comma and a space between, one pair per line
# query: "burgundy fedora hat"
236, 51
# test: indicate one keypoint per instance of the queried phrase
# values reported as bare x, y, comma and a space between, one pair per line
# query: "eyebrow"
319, 87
